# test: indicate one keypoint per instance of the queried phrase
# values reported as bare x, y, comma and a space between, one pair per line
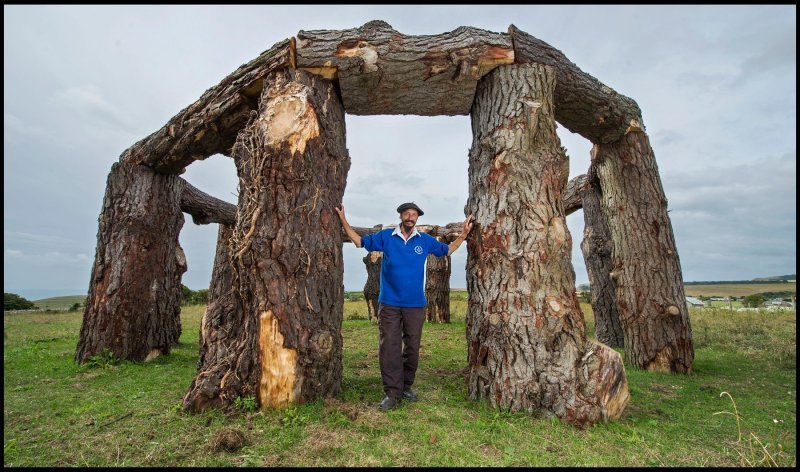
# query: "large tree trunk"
383, 72
437, 289
133, 307
646, 267
221, 333
372, 287
527, 349
597, 247
286, 249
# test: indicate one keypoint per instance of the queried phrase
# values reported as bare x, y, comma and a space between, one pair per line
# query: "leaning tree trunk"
286, 250
221, 329
527, 350
646, 267
437, 289
133, 307
372, 287
596, 247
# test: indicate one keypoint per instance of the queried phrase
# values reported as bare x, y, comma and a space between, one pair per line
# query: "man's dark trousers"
400, 330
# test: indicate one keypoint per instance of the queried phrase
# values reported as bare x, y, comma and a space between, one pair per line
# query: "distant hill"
776, 278
60, 303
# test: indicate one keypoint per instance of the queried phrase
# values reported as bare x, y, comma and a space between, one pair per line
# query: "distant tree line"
742, 282
194, 297
12, 301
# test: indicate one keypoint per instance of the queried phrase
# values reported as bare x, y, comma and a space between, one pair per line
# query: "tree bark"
597, 248
133, 306
221, 333
210, 125
646, 268
583, 104
571, 198
204, 208
526, 343
372, 288
287, 253
383, 72
437, 289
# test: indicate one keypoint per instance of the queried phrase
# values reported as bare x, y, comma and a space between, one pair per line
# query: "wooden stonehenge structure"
272, 328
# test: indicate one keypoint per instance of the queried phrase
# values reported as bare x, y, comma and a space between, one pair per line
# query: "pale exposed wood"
646, 268
583, 104
526, 343
381, 71
133, 306
209, 126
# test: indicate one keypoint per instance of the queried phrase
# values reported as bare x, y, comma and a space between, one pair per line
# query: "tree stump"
597, 247
437, 289
646, 269
372, 287
286, 250
527, 349
134, 302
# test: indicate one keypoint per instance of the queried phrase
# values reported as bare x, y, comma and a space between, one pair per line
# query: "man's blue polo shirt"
403, 266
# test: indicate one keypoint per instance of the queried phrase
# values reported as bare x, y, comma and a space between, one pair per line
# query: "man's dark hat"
410, 205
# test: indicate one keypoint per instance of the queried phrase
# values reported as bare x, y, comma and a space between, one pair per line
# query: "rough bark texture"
287, 253
221, 332
527, 349
133, 306
210, 125
597, 247
646, 268
383, 72
583, 104
571, 198
206, 209
437, 289
372, 287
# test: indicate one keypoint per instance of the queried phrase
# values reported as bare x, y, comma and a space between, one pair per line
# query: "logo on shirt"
418, 249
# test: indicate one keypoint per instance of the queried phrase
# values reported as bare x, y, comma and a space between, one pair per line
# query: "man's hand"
347, 229
340, 212
467, 227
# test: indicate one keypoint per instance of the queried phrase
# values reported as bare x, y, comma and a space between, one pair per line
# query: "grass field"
58, 413
737, 290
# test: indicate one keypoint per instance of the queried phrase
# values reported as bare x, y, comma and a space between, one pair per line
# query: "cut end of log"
278, 365
673, 310
290, 119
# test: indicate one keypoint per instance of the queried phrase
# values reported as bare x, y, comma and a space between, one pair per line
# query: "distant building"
692, 301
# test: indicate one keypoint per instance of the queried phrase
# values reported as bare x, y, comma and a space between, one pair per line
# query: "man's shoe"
388, 403
409, 395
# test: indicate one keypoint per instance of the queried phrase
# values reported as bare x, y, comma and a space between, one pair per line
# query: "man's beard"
408, 224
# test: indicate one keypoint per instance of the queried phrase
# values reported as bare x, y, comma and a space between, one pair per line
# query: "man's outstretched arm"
461, 237
349, 231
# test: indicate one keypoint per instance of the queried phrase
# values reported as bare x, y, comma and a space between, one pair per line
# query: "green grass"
57, 413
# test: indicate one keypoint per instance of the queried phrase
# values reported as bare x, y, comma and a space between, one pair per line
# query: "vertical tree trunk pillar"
437, 289
527, 350
372, 287
646, 268
221, 330
286, 249
133, 306
596, 247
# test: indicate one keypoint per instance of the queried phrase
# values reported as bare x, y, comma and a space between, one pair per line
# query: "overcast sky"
716, 86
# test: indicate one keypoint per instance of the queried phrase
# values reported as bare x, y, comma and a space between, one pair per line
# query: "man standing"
401, 310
